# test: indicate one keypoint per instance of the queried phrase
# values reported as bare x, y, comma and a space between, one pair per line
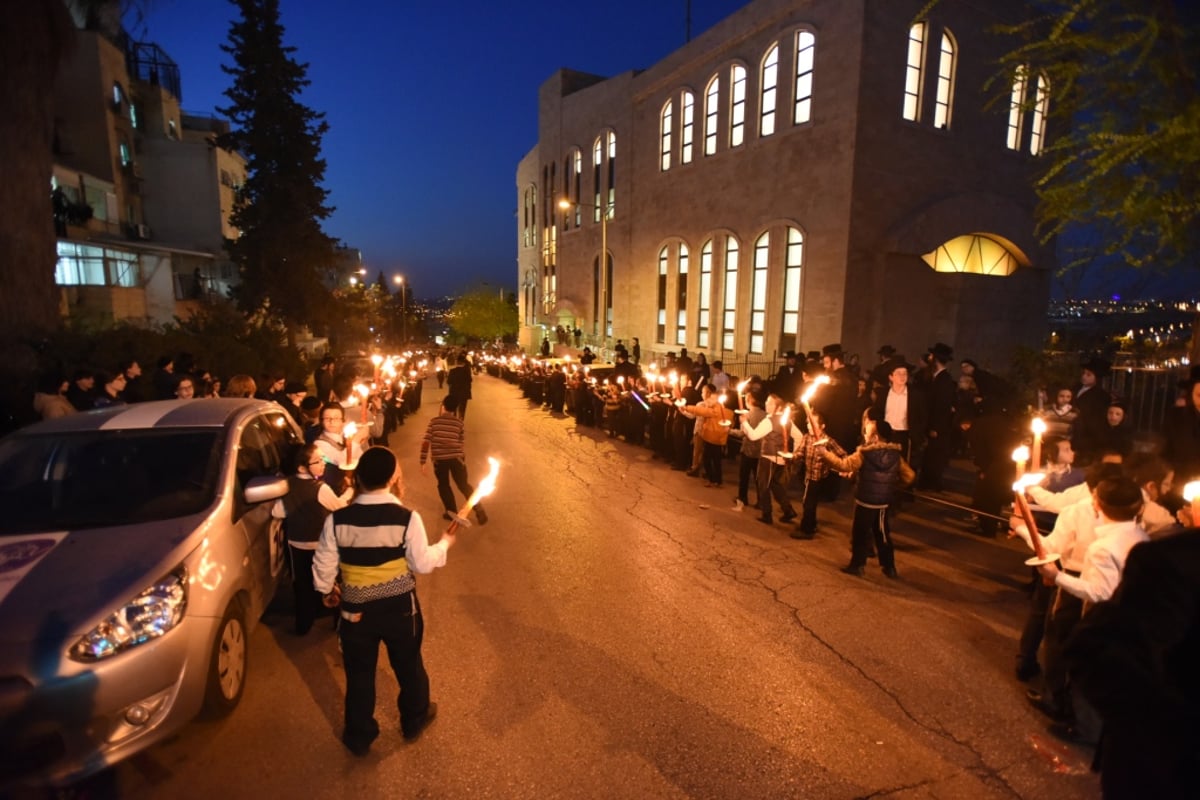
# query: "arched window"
568, 212
681, 304
912, 73
611, 206
737, 105
597, 159
660, 329
118, 96
711, 95
1016, 108
577, 172
944, 102
706, 266
975, 254
792, 264
687, 135
758, 294
666, 122
768, 89
730, 294
805, 52
1041, 108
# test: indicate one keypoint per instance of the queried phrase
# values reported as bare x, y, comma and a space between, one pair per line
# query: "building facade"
805, 172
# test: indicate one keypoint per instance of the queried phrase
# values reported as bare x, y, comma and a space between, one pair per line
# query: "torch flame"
812, 388
741, 387
1027, 480
1191, 492
783, 418
1038, 425
487, 485
1021, 454
361, 389
377, 359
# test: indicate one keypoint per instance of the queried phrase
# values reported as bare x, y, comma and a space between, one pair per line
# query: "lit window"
664, 135
805, 47
758, 295
124, 153
944, 102
974, 254
85, 265
912, 73
770, 80
578, 180
597, 157
729, 317
133, 116
711, 95
1041, 108
611, 207
118, 95
172, 132
682, 298
706, 265
687, 102
737, 105
567, 212
1016, 109
793, 261
660, 331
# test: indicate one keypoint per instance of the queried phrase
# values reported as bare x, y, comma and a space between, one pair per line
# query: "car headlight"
149, 615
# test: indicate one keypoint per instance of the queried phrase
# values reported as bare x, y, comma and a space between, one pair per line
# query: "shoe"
738, 505
693, 473
765, 520
853, 570
709, 484
786, 518
799, 534
430, 716
891, 572
1045, 704
481, 515
1028, 670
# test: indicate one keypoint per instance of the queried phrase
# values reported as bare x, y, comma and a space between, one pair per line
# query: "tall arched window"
597, 159
792, 264
1041, 107
611, 206
687, 133
769, 87
681, 304
737, 105
730, 294
912, 72
568, 170
711, 96
666, 123
660, 329
758, 294
805, 53
1016, 108
577, 180
706, 265
944, 102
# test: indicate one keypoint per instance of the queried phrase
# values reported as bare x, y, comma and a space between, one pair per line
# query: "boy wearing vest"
378, 545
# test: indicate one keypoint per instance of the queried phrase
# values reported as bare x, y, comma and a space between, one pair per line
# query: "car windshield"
96, 479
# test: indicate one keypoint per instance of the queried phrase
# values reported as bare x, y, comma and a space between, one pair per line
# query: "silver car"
137, 551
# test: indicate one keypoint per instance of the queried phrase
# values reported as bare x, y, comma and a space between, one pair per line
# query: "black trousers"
1035, 623
308, 599
812, 495
713, 454
871, 523
772, 482
1065, 612
446, 469
396, 623
747, 466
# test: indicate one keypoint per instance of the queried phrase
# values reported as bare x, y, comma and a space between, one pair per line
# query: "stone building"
803, 173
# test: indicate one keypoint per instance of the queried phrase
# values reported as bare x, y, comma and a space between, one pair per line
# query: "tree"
1124, 113
483, 314
282, 250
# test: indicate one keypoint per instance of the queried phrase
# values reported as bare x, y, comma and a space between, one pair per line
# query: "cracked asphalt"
618, 631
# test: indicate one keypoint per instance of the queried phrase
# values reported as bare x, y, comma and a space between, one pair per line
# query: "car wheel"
227, 666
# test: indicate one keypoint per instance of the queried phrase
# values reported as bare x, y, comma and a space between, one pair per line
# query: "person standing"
901, 406
458, 383
445, 444
303, 510
1092, 401
942, 393
636, 352
750, 451
376, 545
772, 466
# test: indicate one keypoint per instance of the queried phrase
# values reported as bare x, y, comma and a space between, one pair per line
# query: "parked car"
137, 551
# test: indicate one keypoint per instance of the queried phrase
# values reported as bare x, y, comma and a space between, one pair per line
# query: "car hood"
58, 585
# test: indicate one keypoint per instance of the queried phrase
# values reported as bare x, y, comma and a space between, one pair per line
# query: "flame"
783, 418
1038, 426
377, 359
820, 380
349, 429
1191, 492
741, 387
487, 485
361, 389
1021, 454
1027, 480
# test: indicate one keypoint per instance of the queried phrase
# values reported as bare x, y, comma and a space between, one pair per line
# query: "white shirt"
896, 410
1104, 562
1055, 502
325, 496
1074, 531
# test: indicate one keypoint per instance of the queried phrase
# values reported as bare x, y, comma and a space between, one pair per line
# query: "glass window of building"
711, 96
944, 102
687, 134
1016, 109
912, 72
86, 265
611, 207
666, 123
730, 294
737, 105
792, 264
758, 294
1041, 107
660, 330
578, 181
597, 157
706, 266
681, 304
805, 52
769, 88
124, 153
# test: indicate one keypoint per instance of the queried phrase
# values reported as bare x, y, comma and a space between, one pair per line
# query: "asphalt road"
617, 631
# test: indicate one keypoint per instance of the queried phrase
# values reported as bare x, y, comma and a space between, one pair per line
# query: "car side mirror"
264, 488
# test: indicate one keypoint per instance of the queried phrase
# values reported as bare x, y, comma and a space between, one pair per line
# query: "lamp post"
565, 204
399, 280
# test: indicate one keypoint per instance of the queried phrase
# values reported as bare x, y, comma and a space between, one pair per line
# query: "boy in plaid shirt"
816, 469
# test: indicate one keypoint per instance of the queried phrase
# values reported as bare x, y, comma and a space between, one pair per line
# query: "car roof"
159, 414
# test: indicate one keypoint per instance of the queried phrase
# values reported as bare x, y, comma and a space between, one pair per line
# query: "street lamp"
565, 204
399, 281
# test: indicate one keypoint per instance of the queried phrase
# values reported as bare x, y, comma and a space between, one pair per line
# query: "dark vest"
305, 514
879, 476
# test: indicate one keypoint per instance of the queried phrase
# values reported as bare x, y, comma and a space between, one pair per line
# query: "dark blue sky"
430, 106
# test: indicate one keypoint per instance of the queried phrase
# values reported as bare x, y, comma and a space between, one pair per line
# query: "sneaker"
430, 715
481, 515
738, 505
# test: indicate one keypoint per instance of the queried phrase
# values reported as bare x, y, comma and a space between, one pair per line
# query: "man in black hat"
788, 378
1092, 402
294, 393
879, 371
377, 545
942, 393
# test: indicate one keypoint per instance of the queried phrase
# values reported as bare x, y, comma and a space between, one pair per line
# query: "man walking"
458, 383
445, 442
377, 544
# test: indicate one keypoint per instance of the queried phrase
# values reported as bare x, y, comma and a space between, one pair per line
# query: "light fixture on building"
975, 254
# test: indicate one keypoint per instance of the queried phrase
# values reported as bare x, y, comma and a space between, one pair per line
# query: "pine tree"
282, 252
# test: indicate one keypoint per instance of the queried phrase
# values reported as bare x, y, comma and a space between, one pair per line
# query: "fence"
1148, 392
